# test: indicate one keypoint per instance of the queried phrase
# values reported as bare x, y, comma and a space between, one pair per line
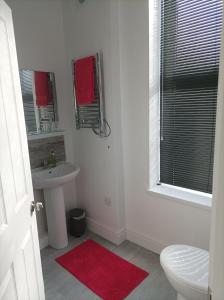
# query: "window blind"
189, 63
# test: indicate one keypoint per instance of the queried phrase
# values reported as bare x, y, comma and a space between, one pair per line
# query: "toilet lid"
188, 264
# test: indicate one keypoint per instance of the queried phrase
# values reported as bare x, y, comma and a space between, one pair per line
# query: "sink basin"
52, 181
50, 178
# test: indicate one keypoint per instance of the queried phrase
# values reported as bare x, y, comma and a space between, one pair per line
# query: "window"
189, 63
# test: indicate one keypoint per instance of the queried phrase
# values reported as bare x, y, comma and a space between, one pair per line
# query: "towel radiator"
92, 115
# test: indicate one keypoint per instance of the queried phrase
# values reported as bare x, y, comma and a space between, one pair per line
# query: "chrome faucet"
44, 163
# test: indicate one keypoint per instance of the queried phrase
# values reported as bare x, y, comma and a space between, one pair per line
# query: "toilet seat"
187, 265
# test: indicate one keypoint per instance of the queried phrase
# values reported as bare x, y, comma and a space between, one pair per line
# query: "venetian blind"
189, 63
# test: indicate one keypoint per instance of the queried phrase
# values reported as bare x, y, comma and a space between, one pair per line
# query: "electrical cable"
106, 132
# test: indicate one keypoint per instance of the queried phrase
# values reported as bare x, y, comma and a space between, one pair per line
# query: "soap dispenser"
51, 161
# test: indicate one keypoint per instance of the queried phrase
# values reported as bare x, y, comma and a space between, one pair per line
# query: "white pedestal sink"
51, 181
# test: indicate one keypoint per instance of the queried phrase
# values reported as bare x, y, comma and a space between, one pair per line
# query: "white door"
216, 274
20, 265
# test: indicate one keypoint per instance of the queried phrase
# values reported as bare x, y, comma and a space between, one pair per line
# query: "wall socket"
107, 201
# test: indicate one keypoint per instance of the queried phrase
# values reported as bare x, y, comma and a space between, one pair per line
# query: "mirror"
39, 101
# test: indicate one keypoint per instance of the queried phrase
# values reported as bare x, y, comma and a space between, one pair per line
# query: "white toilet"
186, 269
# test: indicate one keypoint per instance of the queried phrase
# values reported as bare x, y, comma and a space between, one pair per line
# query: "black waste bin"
77, 222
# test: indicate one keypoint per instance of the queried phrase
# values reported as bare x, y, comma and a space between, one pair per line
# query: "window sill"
186, 196
44, 135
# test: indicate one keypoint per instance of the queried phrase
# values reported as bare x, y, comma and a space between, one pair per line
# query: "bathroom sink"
50, 178
52, 181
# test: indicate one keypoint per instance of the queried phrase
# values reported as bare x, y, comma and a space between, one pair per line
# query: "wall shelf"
38, 136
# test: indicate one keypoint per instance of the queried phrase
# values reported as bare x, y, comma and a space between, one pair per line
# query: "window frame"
170, 192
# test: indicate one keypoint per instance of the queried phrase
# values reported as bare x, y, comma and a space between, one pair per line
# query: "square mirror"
39, 101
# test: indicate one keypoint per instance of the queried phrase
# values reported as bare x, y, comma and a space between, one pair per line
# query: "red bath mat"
106, 274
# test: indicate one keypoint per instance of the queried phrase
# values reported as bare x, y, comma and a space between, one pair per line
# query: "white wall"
116, 167
40, 45
216, 262
120, 30
92, 27
150, 220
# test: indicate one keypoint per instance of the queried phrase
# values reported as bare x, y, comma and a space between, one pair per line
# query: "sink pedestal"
56, 220
52, 182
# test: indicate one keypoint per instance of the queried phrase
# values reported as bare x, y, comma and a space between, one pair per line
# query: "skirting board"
116, 237
145, 241
43, 241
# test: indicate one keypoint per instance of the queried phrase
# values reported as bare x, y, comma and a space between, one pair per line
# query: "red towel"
42, 88
84, 80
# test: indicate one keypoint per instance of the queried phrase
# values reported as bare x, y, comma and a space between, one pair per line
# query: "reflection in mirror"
39, 101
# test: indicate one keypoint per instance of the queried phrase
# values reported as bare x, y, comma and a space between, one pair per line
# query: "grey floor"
60, 284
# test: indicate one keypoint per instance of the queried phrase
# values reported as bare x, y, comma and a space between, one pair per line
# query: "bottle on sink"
51, 161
